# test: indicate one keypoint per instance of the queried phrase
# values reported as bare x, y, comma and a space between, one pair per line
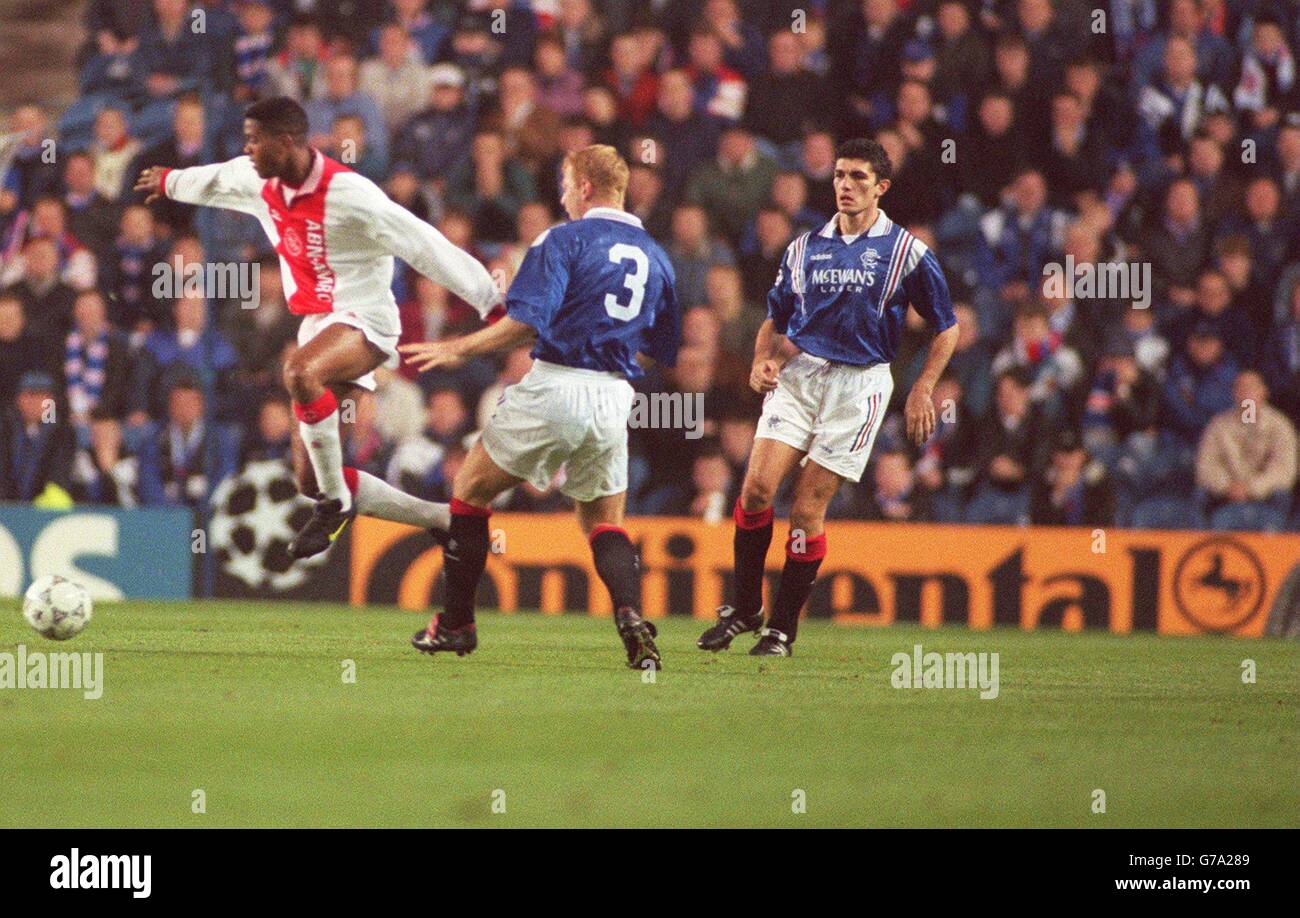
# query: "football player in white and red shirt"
336, 233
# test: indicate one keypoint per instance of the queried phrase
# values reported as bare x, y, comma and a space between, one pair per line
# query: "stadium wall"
875, 574
115, 554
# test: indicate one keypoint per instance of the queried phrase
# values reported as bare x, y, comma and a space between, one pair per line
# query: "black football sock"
797, 579
617, 565
463, 560
750, 544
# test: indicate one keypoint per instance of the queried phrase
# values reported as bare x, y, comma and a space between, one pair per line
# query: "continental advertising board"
874, 574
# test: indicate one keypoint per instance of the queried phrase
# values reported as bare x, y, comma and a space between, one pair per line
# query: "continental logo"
1219, 584
875, 574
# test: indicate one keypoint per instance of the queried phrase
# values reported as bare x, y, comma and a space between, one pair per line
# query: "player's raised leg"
619, 569
804, 550
338, 354
477, 484
371, 496
770, 462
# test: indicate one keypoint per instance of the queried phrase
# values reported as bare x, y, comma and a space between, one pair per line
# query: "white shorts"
561, 416
829, 410
380, 325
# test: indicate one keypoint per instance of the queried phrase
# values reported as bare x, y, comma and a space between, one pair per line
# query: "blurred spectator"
397, 79
1010, 454
34, 170
1177, 244
490, 187
96, 364
36, 445
994, 152
91, 218
347, 143
342, 98
1074, 490
784, 100
74, 263
689, 135
1246, 461
115, 151
1199, 384
184, 147
253, 49
260, 335
945, 467
22, 350
970, 366
772, 234
272, 436
694, 252
646, 199
630, 77
1054, 369
1173, 103
719, 90
129, 272
426, 35
736, 185
46, 299
189, 349
298, 70
559, 86
895, 496
437, 139
712, 485
184, 457
1021, 237
1124, 398
1214, 307
1282, 359
417, 464
530, 130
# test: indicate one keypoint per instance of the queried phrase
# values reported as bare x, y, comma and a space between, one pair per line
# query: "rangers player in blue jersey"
822, 357
592, 293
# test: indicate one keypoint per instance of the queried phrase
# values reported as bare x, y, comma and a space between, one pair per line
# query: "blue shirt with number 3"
598, 290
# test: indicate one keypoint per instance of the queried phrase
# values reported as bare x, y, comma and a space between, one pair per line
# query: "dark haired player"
336, 233
835, 315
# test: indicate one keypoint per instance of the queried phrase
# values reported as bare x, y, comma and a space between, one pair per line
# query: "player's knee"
301, 379
755, 495
808, 514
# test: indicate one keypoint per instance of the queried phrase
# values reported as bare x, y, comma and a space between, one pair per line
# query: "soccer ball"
56, 607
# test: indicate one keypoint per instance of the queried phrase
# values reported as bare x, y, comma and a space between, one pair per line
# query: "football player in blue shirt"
592, 293
835, 315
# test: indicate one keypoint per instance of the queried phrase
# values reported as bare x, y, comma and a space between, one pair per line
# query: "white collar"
879, 227
613, 213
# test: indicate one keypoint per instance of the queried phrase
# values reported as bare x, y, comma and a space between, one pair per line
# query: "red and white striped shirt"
336, 235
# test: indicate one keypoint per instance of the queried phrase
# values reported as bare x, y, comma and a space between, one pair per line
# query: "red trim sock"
797, 578
316, 411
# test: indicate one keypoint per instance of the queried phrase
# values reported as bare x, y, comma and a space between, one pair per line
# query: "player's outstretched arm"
421, 246
503, 335
233, 185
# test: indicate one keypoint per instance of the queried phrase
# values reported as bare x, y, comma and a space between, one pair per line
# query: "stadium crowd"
1021, 134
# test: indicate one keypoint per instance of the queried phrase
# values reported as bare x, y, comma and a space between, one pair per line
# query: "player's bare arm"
919, 410
500, 336
772, 351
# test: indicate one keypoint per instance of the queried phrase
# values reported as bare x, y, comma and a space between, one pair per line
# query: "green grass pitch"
247, 702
